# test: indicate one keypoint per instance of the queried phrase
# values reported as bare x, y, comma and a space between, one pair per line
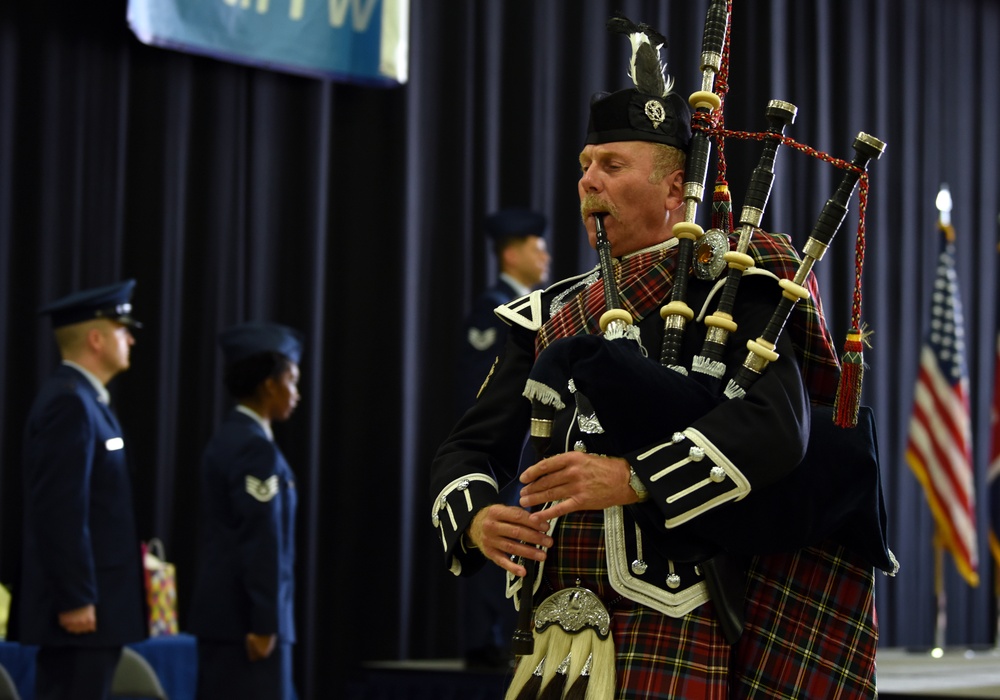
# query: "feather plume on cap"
645, 69
649, 111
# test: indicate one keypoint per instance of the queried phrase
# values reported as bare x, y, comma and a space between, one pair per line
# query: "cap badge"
655, 113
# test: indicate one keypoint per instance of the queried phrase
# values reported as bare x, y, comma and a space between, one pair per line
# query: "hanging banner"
362, 41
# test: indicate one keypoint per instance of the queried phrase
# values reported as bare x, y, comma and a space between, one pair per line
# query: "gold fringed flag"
939, 448
993, 466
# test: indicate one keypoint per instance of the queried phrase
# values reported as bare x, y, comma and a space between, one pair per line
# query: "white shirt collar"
102, 391
256, 416
518, 287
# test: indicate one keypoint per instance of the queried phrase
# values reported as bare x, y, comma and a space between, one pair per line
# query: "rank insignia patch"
264, 490
482, 339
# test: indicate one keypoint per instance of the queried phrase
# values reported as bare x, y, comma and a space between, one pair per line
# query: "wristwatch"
637, 485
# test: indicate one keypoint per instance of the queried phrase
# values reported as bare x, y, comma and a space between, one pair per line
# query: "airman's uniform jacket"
245, 578
80, 540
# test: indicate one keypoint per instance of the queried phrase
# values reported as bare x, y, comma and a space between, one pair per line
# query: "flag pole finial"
943, 204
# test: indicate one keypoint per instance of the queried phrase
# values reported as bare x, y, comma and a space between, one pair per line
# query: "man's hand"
577, 481
260, 646
79, 621
501, 531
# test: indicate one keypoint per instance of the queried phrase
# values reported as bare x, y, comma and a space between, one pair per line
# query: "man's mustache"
592, 203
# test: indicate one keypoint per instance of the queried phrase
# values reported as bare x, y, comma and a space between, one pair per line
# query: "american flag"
939, 449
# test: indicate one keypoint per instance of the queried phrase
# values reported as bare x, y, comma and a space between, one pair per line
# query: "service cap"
113, 302
515, 222
255, 337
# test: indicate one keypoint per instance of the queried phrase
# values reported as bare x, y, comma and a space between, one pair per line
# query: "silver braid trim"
895, 565
559, 301
669, 603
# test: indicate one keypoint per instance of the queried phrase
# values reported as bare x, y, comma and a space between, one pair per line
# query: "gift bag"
161, 589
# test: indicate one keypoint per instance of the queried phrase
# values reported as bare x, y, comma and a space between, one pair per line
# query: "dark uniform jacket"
245, 578
483, 336
699, 464
80, 541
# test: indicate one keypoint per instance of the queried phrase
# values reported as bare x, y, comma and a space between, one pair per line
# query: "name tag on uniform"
112, 444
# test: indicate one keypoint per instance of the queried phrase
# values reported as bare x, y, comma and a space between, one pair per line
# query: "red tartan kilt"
810, 630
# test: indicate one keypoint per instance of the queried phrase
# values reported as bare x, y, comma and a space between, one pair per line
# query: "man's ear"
508, 257
674, 190
95, 338
268, 387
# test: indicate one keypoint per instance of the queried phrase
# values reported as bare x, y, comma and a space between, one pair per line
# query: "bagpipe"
835, 492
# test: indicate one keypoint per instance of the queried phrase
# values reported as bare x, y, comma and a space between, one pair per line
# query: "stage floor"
902, 675
958, 673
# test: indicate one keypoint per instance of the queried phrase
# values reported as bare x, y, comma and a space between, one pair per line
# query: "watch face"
637, 485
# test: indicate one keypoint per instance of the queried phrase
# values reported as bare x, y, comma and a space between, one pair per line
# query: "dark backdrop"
352, 213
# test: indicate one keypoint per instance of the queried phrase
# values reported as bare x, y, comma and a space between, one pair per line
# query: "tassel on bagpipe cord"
720, 323
676, 313
761, 352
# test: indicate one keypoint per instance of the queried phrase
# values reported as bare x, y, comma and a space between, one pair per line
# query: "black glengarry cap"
629, 115
650, 111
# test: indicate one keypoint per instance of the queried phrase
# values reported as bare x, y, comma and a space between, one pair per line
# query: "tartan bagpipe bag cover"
161, 589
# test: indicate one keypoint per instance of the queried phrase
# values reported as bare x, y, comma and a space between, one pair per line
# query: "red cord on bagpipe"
713, 124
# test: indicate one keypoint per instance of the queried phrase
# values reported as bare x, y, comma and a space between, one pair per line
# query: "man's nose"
589, 181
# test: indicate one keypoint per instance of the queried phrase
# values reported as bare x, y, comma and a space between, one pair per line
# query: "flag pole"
941, 622
943, 205
996, 597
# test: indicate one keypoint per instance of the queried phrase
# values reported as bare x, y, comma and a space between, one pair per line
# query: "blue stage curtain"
353, 213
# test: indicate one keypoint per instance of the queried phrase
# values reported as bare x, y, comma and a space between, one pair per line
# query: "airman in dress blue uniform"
518, 237
81, 597
242, 605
